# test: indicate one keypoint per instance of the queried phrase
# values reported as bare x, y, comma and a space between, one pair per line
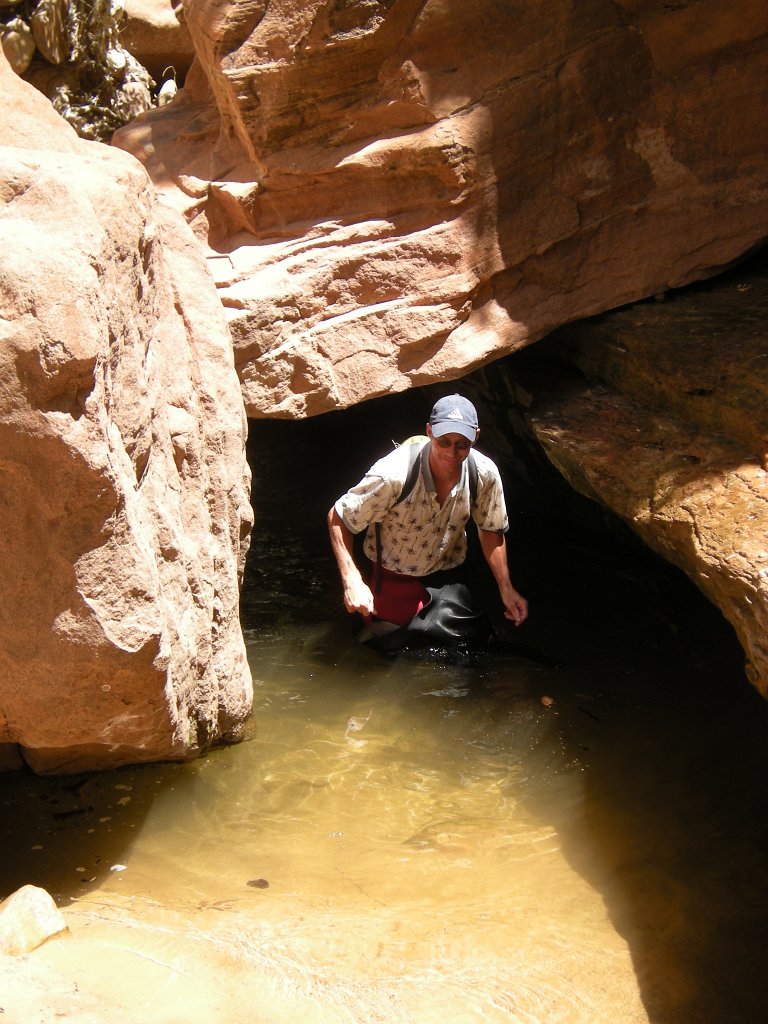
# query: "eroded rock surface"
397, 191
155, 32
668, 427
125, 510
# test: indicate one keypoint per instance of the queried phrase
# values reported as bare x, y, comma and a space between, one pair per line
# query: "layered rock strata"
125, 510
668, 427
398, 191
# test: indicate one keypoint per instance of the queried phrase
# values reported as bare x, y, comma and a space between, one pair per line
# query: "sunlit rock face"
394, 192
668, 427
155, 32
125, 489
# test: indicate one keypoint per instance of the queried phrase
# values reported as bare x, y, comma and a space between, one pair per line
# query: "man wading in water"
416, 542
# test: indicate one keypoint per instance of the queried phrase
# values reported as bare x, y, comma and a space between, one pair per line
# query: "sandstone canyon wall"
668, 427
125, 510
659, 413
388, 193
393, 192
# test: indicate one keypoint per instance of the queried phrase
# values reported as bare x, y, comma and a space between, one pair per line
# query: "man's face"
450, 450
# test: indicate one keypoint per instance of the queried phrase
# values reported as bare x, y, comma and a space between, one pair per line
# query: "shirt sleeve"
489, 510
370, 500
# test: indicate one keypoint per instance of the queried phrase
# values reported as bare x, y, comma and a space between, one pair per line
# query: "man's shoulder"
394, 465
485, 465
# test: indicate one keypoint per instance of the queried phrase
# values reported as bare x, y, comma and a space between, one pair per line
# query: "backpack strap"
414, 467
473, 477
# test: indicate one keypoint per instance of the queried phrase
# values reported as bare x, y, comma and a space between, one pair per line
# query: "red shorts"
397, 598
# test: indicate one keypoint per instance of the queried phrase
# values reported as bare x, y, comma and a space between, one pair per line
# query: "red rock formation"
393, 192
669, 429
124, 501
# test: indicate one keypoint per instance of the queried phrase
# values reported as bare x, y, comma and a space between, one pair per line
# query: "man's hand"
495, 550
515, 605
357, 595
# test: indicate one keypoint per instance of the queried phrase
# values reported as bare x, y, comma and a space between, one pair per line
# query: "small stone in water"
547, 701
258, 883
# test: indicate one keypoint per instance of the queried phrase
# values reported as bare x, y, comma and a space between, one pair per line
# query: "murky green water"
427, 839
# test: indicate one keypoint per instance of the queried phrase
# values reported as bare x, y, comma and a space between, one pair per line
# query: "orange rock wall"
124, 510
394, 192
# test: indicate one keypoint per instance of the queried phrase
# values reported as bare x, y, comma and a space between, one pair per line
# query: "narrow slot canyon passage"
356, 197
430, 838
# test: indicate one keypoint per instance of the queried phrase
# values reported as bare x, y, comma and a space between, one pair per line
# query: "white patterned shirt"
418, 535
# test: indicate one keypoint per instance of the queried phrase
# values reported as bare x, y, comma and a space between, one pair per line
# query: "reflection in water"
453, 839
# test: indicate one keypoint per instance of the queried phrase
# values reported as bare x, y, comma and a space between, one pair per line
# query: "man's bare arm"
357, 593
494, 548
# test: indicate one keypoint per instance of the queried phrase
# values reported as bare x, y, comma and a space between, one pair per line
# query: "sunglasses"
460, 446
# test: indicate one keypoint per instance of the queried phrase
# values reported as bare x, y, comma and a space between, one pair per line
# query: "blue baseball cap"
454, 415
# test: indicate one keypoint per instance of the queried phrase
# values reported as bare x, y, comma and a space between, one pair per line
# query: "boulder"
125, 508
395, 192
155, 32
28, 917
18, 44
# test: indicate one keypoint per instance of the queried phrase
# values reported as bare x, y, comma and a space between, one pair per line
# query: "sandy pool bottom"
261, 960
